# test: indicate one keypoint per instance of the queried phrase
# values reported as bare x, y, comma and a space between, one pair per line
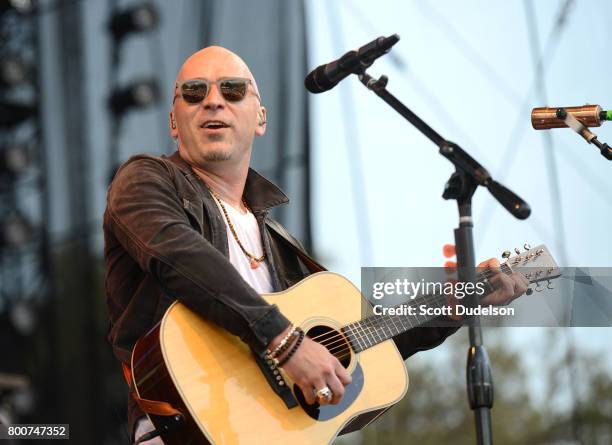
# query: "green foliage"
576, 408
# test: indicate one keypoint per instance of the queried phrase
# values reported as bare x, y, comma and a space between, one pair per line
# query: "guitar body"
212, 377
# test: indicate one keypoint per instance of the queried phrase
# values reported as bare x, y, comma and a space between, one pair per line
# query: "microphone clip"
582, 130
374, 84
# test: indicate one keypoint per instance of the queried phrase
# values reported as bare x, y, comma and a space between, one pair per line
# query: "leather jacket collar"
260, 194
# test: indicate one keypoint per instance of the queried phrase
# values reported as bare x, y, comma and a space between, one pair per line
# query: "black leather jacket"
165, 239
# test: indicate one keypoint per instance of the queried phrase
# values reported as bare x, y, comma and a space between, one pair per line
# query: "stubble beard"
217, 156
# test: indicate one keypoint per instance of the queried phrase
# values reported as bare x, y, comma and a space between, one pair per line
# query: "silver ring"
325, 394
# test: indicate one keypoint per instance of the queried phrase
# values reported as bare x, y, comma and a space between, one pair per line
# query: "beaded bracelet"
288, 344
294, 348
282, 344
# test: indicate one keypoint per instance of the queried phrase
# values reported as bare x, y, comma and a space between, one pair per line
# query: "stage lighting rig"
13, 113
15, 158
20, 6
139, 18
23, 316
15, 231
24, 201
138, 94
13, 72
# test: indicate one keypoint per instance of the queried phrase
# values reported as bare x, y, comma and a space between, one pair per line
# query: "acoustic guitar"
211, 376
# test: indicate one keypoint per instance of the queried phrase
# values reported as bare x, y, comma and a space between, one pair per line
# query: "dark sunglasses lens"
234, 90
194, 91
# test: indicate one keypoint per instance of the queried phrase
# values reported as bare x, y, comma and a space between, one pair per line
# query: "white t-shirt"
248, 232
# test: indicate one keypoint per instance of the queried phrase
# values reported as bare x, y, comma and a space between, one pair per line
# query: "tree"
435, 410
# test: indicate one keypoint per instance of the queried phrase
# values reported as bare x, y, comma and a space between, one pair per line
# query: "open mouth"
214, 125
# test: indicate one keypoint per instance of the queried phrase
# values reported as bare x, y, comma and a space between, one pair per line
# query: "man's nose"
214, 99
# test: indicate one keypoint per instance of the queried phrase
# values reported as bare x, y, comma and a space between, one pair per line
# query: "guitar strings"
374, 326
377, 321
361, 323
377, 324
370, 322
343, 350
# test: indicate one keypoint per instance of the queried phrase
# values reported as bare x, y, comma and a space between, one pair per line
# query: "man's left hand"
508, 287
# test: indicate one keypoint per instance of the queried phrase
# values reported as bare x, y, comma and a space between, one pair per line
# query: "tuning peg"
506, 254
539, 251
517, 250
526, 246
529, 291
549, 285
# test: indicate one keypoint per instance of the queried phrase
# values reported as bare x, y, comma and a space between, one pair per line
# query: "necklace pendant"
254, 264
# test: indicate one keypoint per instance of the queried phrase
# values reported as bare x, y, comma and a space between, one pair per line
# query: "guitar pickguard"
327, 412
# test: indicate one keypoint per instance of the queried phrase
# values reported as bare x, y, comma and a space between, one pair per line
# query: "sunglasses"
233, 89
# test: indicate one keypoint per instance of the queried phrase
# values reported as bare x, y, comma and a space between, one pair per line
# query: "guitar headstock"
536, 264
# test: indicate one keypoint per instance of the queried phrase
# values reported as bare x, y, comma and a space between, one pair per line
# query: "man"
193, 227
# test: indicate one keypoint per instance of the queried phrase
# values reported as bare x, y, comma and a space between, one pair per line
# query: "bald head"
214, 133
214, 62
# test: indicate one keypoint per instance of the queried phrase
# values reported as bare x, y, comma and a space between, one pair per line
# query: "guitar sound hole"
334, 341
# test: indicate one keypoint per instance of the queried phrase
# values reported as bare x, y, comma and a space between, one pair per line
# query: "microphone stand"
583, 131
461, 186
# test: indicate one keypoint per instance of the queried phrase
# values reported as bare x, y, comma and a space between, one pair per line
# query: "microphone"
327, 76
544, 118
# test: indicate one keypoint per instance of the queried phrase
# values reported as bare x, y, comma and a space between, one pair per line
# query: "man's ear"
261, 125
172, 126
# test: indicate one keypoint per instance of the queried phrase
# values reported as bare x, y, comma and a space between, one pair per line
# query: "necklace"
253, 260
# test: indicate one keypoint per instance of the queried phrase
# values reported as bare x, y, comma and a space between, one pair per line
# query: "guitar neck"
370, 331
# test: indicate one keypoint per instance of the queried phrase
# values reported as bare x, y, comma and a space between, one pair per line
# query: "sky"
469, 70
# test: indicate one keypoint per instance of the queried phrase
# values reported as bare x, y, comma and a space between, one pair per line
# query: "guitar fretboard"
370, 331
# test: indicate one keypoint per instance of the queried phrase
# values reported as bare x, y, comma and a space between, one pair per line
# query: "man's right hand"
313, 367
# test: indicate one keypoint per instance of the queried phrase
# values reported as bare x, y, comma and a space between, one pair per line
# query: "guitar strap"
154, 407
312, 265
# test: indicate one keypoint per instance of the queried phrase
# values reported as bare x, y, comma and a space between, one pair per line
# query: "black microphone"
327, 76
